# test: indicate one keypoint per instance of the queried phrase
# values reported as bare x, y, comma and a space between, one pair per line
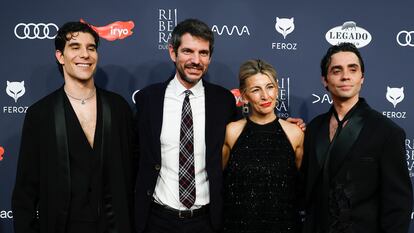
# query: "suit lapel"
209, 119
156, 103
62, 144
106, 128
322, 142
346, 139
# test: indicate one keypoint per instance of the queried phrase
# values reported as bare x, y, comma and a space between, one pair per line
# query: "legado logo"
349, 32
33, 31
237, 97
15, 90
167, 20
240, 31
284, 26
404, 38
114, 31
395, 95
1, 153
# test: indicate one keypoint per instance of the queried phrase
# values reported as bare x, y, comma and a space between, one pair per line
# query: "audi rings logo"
33, 31
404, 38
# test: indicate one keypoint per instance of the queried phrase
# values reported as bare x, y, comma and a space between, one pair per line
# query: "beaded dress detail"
260, 182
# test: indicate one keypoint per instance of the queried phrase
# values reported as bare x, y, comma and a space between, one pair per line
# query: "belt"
183, 214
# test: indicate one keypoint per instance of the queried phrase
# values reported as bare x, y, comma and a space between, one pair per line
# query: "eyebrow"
72, 44
352, 65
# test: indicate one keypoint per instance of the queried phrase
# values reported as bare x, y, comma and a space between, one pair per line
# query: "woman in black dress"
261, 157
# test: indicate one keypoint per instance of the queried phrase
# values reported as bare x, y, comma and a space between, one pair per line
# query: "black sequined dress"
260, 182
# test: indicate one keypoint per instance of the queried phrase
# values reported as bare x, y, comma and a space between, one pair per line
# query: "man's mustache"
194, 66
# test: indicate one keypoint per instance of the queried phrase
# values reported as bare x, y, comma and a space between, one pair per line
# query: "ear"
362, 79
59, 57
324, 82
243, 98
173, 56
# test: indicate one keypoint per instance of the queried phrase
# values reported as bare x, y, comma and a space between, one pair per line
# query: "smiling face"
191, 59
261, 93
344, 77
79, 58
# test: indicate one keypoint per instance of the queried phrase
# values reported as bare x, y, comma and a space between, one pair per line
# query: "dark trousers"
163, 222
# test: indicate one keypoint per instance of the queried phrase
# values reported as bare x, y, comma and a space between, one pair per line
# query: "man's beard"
185, 78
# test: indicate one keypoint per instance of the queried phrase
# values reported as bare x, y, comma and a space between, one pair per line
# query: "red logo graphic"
1, 153
114, 31
237, 96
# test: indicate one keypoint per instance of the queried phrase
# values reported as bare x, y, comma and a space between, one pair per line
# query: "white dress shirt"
167, 187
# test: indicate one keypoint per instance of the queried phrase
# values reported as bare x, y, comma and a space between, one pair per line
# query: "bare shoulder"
233, 131
294, 133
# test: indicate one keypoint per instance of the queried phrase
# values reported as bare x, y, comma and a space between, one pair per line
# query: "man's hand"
298, 121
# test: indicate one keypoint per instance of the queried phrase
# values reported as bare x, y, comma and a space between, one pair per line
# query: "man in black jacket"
74, 172
354, 162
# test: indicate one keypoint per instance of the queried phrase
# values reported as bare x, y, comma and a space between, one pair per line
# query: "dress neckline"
265, 124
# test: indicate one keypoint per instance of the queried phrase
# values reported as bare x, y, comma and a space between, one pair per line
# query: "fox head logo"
284, 26
395, 95
15, 90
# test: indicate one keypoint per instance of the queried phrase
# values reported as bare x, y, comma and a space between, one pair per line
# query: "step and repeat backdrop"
291, 35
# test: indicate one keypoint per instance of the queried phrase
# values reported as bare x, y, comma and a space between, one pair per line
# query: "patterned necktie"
186, 173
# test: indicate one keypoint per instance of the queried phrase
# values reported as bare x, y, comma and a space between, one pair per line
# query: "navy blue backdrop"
291, 35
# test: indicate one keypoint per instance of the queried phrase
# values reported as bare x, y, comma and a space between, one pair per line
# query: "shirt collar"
179, 89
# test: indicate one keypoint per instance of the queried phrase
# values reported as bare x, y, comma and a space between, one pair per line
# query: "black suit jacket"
372, 188
220, 110
43, 172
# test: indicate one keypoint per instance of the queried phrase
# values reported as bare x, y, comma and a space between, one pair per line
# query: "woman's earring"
245, 109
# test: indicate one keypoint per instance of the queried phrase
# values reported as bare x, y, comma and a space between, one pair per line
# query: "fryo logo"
1, 153
237, 96
114, 31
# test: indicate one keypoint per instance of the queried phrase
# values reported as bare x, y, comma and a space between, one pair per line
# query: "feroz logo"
284, 26
15, 90
1, 153
348, 32
404, 38
237, 97
234, 29
114, 31
395, 95
33, 31
167, 20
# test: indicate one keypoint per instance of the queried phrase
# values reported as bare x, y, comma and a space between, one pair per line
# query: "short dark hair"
69, 28
342, 47
196, 28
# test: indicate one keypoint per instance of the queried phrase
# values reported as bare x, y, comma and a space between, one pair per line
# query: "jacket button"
157, 167
149, 192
